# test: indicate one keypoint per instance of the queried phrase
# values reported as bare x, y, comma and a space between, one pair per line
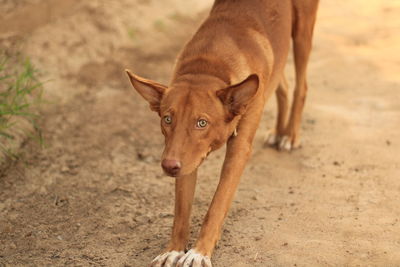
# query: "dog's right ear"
149, 90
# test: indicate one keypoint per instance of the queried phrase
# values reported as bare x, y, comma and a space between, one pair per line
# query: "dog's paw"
168, 259
288, 143
272, 139
194, 259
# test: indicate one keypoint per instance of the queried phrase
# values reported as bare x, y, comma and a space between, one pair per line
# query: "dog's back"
238, 39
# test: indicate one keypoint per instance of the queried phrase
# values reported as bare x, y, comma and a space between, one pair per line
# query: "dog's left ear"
149, 90
237, 96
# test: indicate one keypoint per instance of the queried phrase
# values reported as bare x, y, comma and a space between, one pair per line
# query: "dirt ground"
95, 195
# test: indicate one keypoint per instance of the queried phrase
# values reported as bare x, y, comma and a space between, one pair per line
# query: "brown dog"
221, 81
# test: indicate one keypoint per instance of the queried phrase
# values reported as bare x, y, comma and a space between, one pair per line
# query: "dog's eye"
201, 123
167, 119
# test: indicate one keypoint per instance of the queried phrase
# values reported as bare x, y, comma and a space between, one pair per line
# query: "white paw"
272, 139
194, 259
287, 143
168, 259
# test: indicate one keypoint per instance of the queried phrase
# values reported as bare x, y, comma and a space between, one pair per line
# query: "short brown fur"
224, 76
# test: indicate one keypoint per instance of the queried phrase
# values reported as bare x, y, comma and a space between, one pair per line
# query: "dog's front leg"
237, 154
184, 192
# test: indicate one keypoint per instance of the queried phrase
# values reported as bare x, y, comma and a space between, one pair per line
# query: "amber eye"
201, 123
167, 119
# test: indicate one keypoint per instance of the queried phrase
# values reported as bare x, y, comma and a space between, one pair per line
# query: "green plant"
159, 25
132, 33
20, 96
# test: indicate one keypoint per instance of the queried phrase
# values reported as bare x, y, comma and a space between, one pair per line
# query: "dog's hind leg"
303, 26
274, 137
184, 192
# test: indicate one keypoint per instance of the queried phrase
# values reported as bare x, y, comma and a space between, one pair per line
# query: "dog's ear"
149, 90
237, 96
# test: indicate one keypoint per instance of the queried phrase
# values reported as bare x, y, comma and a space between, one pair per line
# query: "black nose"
171, 166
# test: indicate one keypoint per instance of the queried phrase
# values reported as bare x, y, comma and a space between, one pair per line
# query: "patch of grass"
160, 25
132, 33
20, 97
176, 16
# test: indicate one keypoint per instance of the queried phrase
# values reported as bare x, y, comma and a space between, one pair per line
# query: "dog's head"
195, 119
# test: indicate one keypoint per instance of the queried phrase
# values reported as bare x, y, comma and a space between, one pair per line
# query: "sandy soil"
96, 194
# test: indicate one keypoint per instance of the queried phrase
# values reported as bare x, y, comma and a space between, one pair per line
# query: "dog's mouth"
176, 172
171, 174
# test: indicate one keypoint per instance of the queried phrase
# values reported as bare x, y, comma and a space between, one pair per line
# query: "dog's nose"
171, 166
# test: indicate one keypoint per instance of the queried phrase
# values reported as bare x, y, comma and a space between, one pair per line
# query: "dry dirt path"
96, 194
